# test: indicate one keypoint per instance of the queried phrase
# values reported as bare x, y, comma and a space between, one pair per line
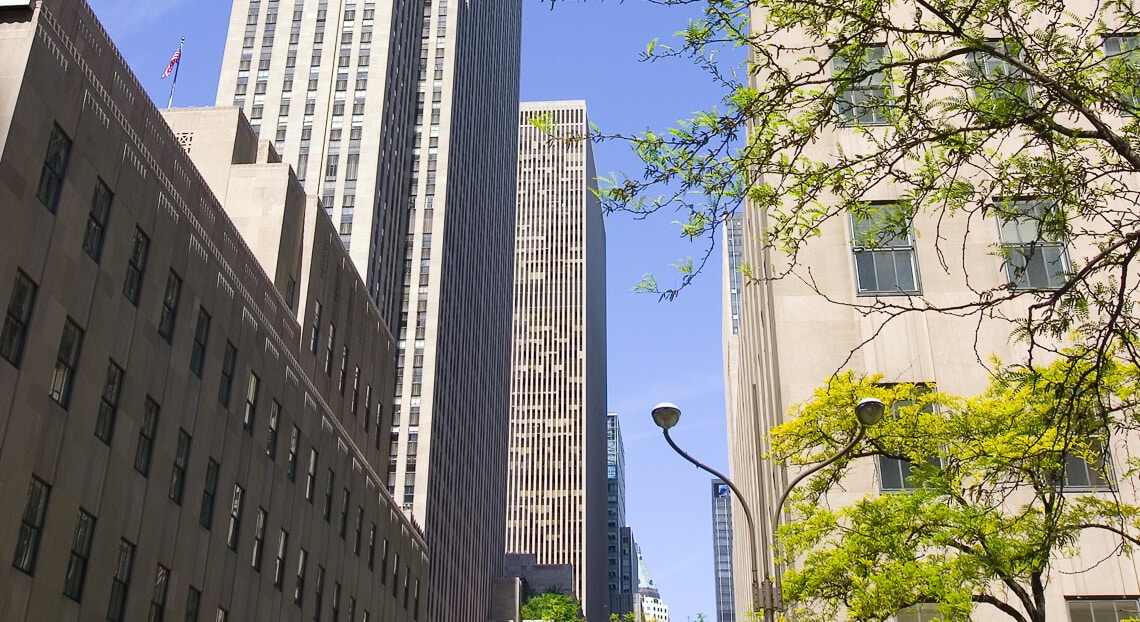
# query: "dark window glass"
1034, 251
294, 439
209, 492
158, 597
311, 477
862, 101
271, 438
329, 494
299, 591
55, 165
1103, 610
884, 252
193, 605
251, 402
201, 334
315, 340
136, 266
258, 539
117, 607
169, 306
235, 518
344, 505
279, 567
145, 447
109, 403
226, 383
80, 554
66, 363
31, 526
178, 471
16, 321
97, 220
372, 546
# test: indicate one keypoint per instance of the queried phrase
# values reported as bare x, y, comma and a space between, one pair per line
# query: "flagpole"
174, 82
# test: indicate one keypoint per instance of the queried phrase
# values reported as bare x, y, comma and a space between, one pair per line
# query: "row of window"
1034, 256
1080, 610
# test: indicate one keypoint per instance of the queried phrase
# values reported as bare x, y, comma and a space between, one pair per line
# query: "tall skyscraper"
722, 550
414, 158
621, 565
556, 507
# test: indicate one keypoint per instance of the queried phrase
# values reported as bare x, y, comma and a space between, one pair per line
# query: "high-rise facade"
722, 550
173, 442
402, 117
650, 607
556, 486
621, 566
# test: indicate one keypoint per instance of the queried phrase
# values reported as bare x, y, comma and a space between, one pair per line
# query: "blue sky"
657, 351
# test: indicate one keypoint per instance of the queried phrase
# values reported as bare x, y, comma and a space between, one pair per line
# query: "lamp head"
666, 415
869, 411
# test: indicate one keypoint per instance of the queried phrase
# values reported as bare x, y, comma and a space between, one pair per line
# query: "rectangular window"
117, 607
271, 437
355, 390
158, 597
336, 602
136, 266
343, 370
178, 471
235, 518
97, 219
359, 528
1103, 610
294, 440
145, 447
169, 306
1090, 475
895, 473
884, 252
226, 383
344, 505
862, 90
384, 563
395, 574
311, 477
329, 350
222, 615
1032, 243
258, 539
251, 402
80, 554
209, 492
66, 362
201, 335
329, 494
55, 165
31, 526
109, 403
17, 319
299, 591
997, 81
279, 567
193, 604
1123, 51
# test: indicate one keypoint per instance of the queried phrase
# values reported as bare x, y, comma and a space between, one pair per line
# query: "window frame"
56, 159
167, 320
201, 339
148, 430
21, 305
31, 526
851, 101
136, 266
883, 247
66, 363
76, 574
109, 402
1029, 212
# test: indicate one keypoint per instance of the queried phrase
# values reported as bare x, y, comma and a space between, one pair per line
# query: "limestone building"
402, 118
556, 485
193, 384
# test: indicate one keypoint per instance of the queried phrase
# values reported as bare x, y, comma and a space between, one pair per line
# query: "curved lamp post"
666, 415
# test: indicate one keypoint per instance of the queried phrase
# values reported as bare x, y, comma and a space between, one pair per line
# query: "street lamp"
666, 415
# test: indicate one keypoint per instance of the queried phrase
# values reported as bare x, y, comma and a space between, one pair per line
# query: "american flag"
173, 62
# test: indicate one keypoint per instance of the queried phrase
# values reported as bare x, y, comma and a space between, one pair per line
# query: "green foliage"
989, 510
553, 607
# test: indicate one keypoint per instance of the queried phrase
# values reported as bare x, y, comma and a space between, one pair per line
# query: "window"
271, 438
235, 518
97, 220
169, 306
862, 90
336, 602
884, 252
226, 383
895, 473
329, 494
1032, 242
315, 339
319, 593
222, 615
395, 574
251, 402
158, 597
178, 471
66, 361
299, 591
279, 567
193, 604
31, 526
80, 554
1103, 610
109, 403
359, 528
344, 505
329, 350
998, 81
1125, 50
922, 612
117, 607
343, 370
55, 165
258, 539
209, 492
16, 321
293, 441
145, 447
1090, 476
384, 563
136, 266
371, 546
201, 334
311, 477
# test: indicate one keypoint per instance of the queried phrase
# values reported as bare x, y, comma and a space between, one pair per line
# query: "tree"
1027, 111
552, 607
1001, 486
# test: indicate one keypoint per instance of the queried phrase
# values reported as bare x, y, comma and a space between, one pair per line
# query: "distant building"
650, 607
621, 563
178, 437
722, 550
556, 484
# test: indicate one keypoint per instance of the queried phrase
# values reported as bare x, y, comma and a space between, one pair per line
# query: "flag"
173, 62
